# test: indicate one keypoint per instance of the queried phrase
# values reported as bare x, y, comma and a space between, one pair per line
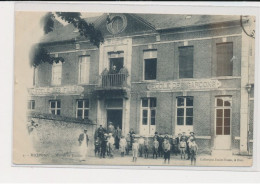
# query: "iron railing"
113, 80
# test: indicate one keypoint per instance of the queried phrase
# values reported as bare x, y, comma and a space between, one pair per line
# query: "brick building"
165, 73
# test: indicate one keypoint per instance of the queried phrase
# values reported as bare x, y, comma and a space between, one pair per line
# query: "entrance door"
115, 116
223, 123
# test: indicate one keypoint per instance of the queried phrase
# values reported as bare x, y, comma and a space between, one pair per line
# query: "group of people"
163, 145
107, 140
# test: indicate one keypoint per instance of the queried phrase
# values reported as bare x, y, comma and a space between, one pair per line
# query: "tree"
40, 55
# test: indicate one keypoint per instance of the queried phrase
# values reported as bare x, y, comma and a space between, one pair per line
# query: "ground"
202, 160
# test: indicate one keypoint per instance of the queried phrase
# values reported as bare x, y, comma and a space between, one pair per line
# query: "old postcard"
132, 89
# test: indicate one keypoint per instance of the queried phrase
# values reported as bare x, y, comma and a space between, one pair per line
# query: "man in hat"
100, 132
83, 143
188, 143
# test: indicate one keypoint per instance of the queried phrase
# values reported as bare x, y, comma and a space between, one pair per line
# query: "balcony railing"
113, 80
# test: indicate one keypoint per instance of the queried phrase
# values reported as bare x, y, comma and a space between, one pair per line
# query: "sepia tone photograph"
133, 89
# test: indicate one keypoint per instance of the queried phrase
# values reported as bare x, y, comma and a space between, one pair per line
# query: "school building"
164, 73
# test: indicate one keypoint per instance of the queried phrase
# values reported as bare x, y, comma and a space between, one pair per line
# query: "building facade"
164, 73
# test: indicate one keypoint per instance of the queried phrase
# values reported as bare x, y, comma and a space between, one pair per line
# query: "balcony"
113, 81
113, 84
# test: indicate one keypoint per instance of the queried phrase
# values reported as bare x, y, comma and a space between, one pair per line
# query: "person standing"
132, 135
178, 140
100, 132
110, 145
146, 147
110, 128
128, 140
188, 142
167, 150
117, 135
135, 149
83, 143
123, 146
103, 146
183, 147
141, 146
160, 149
193, 147
155, 147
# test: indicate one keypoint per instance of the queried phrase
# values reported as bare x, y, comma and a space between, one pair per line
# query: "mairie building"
154, 73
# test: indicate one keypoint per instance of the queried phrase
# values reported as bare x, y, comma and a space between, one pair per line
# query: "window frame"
185, 107
180, 47
30, 103
83, 108
217, 65
54, 81
56, 109
150, 57
87, 65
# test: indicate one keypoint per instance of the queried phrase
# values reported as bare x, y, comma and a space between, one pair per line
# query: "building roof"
157, 21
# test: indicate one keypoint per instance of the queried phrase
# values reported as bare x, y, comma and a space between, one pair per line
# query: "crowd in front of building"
108, 142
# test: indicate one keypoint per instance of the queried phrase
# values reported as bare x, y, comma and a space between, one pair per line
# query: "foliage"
40, 55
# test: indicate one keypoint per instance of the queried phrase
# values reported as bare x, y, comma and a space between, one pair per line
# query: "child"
141, 146
193, 150
122, 146
135, 148
155, 148
97, 146
146, 147
110, 144
183, 147
167, 150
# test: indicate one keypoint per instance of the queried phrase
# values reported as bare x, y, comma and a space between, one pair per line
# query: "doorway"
223, 123
115, 116
116, 64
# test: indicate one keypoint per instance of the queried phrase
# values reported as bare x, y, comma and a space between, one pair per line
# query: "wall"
60, 138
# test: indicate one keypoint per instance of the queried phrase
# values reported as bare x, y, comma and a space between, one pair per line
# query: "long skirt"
84, 150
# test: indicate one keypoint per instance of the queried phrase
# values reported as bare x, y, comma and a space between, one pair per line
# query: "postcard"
133, 89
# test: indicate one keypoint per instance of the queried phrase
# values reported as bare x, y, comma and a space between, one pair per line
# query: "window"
31, 105
55, 107
224, 59
150, 64
148, 112
82, 110
84, 63
56, 73
35, 76
186, 62
184, 110
223, 115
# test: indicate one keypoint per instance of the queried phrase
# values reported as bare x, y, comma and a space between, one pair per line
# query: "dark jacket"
81, 138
